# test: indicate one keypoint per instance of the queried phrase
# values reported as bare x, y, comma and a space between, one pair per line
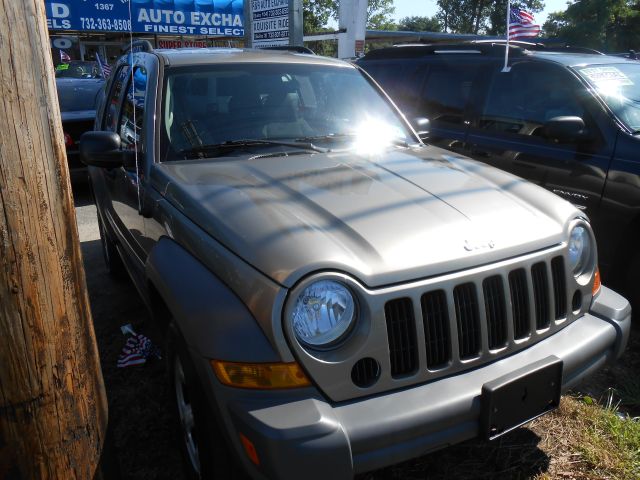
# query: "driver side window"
132, 116
114, 100
521, 101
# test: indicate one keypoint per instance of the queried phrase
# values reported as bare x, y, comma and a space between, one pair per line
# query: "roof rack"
421, 50
539, 46
137, 46
290, 48
485, 47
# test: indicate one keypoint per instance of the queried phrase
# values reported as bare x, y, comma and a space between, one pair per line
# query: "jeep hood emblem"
471, 245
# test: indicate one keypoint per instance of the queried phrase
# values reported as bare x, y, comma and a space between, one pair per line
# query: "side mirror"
565, 129
421, 126
101, 149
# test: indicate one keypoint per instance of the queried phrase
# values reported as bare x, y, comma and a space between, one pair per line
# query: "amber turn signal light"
596, 282
261, 376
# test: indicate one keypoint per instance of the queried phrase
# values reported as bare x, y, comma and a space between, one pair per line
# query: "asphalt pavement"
143, 444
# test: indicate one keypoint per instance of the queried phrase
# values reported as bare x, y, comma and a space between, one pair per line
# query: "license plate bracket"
520, 396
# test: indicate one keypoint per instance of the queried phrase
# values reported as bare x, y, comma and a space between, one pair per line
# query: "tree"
317, 14
379, 15
610, 25
420, 24
53, 409
480, 16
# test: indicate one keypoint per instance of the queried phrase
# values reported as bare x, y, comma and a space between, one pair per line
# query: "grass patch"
586, 440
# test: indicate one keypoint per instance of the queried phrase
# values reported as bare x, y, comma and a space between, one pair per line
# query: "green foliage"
317, 14
609, 25
420, 24
611, 441
379, 15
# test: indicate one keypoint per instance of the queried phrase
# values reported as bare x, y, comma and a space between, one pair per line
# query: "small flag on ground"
105, 68
521, 24
64, 57
136, 351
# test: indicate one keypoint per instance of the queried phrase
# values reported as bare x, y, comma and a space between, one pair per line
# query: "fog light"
260, 376
576, 302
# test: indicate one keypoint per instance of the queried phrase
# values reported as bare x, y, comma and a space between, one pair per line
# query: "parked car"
566, 120
337, 296
78, 84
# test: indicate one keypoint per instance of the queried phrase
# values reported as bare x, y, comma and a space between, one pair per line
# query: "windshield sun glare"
335, 106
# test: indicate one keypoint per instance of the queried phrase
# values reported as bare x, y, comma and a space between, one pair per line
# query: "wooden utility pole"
53, 409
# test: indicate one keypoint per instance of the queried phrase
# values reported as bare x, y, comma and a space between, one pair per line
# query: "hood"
409, 214
78, 94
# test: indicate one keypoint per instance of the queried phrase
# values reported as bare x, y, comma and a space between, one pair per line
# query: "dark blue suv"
568, 120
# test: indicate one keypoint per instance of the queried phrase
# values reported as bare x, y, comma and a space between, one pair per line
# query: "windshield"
78, 69
619, 87
333, 107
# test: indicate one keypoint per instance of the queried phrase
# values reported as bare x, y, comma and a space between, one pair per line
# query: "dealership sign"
270, 22
174, 17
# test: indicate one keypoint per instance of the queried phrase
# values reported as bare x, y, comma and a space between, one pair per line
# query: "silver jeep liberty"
337, 295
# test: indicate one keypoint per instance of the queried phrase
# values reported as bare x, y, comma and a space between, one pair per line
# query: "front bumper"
298, 434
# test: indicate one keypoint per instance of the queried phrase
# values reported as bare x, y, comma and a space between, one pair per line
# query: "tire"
204, 449
110, 254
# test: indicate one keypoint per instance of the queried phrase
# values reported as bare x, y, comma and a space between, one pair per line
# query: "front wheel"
205, 452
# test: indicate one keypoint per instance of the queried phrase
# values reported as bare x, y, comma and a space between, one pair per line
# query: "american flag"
136, 351
104, 66
521, 24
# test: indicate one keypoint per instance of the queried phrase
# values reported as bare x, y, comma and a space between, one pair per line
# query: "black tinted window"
112, 107
522, 100
132, 116
401, 79
446, 92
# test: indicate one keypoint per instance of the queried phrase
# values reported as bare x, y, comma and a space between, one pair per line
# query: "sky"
428, 8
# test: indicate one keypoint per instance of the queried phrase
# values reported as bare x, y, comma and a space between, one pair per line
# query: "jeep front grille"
435, 318
559, 287
506, 306
494, 304
401, 330
466, 304
519, 303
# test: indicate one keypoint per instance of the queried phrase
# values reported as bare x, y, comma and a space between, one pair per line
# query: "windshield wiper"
203, 150
341, 136
330, 136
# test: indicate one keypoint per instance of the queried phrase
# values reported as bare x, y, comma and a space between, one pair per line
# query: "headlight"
323, 313
580, 251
